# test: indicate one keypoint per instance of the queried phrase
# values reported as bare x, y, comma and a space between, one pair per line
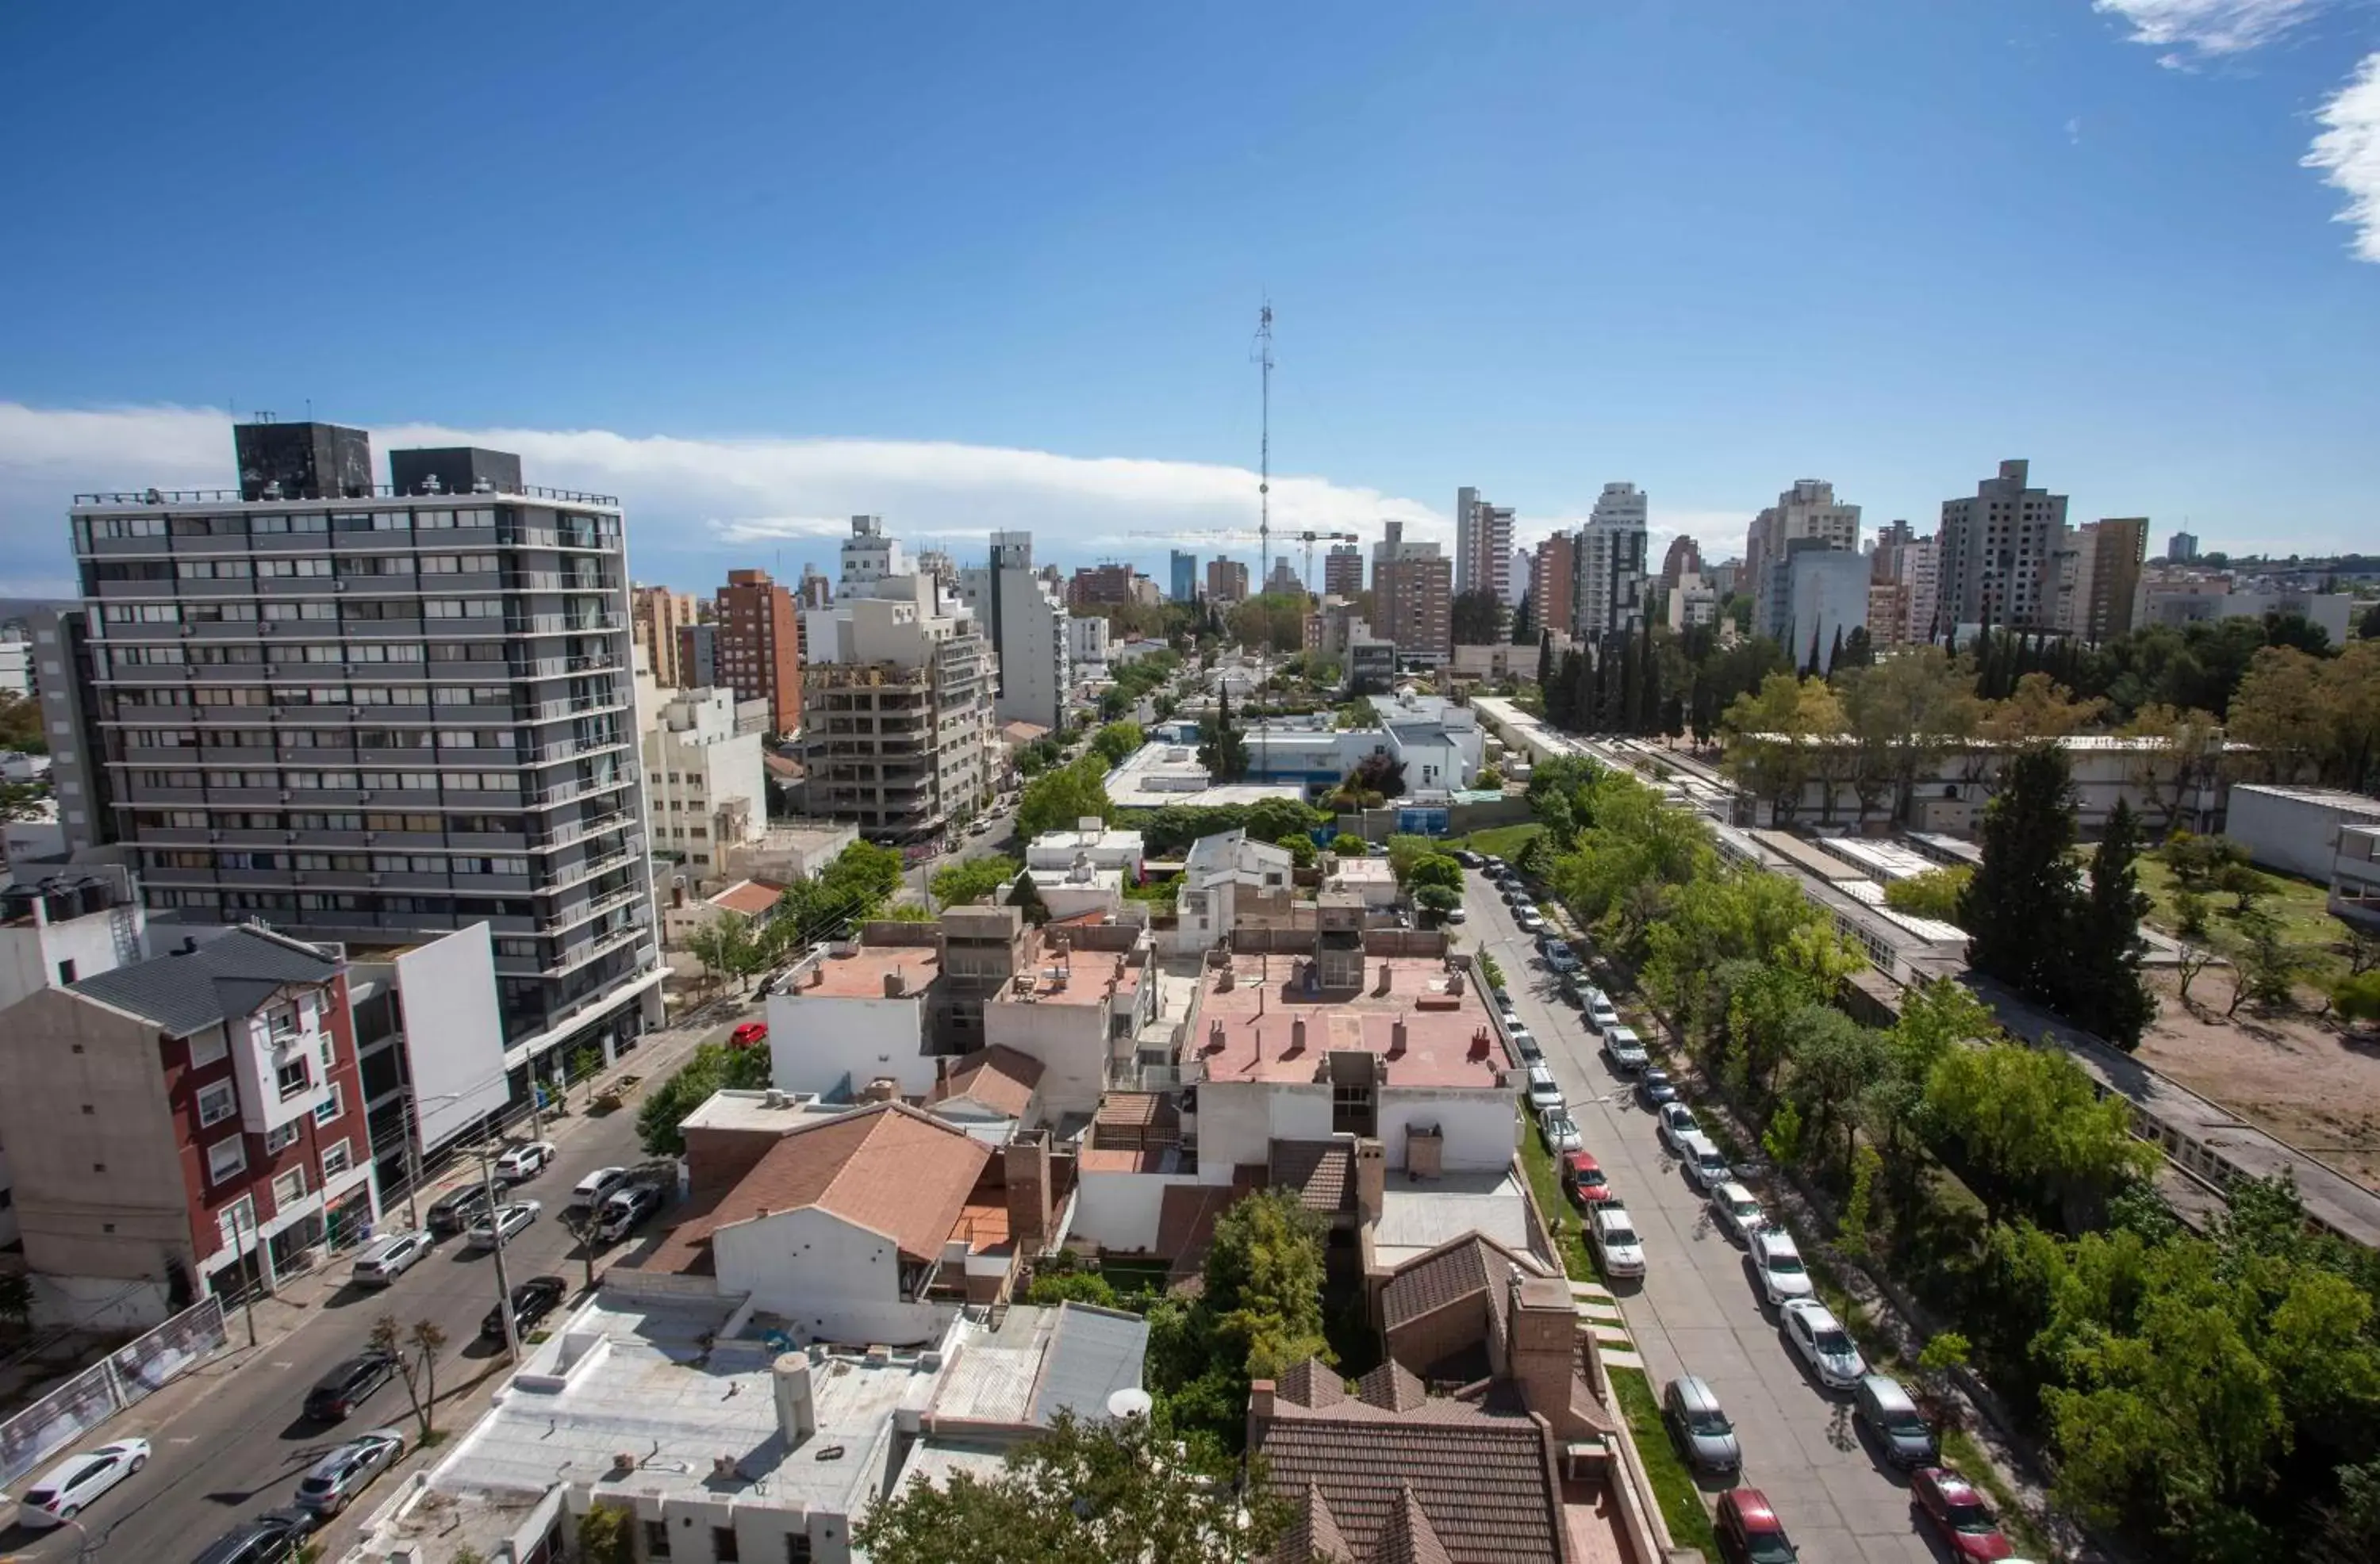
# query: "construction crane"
1243, 534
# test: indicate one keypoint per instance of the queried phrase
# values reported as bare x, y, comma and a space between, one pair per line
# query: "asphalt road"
240, 1449
1697, 1310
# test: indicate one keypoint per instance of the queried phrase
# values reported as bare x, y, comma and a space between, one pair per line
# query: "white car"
1705, 1166
1677, 1120
1600, 1012
1560, 1131
389, 1257
1624, 1049
588, 1192
1616, 1243
59, 1494
1544, 1092
1783, 1278
526, 1161
1824, 1344
499, 1228
1733, 1208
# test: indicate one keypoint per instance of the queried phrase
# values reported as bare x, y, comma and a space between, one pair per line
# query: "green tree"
1117, 741
2021, 905
2357, 999
1477, 619
1026, 897
2266, 965
1301, 848
1222, 747
711, 1068
1934, 893
1435, 869
1057, 800
1269, 819
957, 885
2024, 1127
1437, 900
607, 1534
724, 946
1104, 1489
2106, 993
1264, 1285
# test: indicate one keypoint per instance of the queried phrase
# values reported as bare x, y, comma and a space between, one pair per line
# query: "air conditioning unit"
284, 796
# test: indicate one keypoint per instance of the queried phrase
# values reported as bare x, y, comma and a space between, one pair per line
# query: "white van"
1543, 1092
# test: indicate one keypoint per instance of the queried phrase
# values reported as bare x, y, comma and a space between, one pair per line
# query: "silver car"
389, 1257
1699, 1428
1823, 1344
349, 1470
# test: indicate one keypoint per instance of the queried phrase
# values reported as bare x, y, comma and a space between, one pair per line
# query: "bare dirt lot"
2303, 1080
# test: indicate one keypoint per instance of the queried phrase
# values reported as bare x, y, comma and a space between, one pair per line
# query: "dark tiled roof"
999, 1077
1393, 1386
228, 977
1321, 1171
1312, 1384
1410, 1539
1313, 1534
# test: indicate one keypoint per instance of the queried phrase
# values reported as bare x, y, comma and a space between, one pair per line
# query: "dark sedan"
532, 1301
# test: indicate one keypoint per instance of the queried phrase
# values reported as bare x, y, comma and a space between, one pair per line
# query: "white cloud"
2348, 153
2207, 28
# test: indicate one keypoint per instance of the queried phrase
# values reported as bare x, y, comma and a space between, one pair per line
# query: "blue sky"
759, 267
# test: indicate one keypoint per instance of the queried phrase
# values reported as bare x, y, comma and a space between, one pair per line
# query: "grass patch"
1569, 1239
1502, 842
1673, 1485
2301, 907
1961, 1450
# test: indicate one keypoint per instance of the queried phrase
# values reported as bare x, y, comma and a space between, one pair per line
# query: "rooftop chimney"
1371, 1179
1397, 1038
1261, 1395
894, 985
1544, 1335
1024, 1162
796, 1405
1297, 1036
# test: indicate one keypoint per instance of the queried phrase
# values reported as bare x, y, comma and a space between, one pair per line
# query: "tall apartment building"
1395, 545
2097, 573
900, 740
867, 557
698, 656
1412, 604
1184, 565
815, 592
2181, 548
1089, 636
1553, 583
177, 1123
1096, 586
1025, 619
1227, 581
1806, 511
1684, 558
1284, 580
366, 715
1517, 576
1343, 571
1610, 557
706, 783
759, 649
655, 615
1825, 591
1994, 562
1483, 545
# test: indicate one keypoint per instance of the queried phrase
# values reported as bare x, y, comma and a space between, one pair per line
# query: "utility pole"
412, 1161
249, 1286
1264, 496
503, 1287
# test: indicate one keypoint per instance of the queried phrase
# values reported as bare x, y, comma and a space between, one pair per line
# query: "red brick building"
758, 646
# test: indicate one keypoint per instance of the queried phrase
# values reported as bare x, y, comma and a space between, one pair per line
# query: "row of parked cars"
1748, 1526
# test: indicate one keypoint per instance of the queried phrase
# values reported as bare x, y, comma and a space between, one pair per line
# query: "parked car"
390, 1257
1544, 1092
1494, 864
1624, 1049
332, 1482
590, 1190
532, 1301
1503, 1000
1616, 1243
1676, 1119
1699, 1428
499, 1225
1572, 991
1454, 914
457, 1208
1823, 1344
1705, 1168
625, 1211
1560, 957
1525, 1043
523, 1161
1749, 1532
59, 1494
1956, 1513
1467, 858
1733, 1208
1560, 1131
271, 1538
1586, 1180
1530, 923
1890, 1416
747, 1034
1783, 1278
1600, 1012
1513, 894
1654, 1087
349, 1384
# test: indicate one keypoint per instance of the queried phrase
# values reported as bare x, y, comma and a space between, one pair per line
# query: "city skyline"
628, 253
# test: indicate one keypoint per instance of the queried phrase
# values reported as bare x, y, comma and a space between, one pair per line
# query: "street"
1697, 1311
238, 1448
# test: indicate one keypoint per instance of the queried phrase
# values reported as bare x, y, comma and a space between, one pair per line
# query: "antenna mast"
1264, 457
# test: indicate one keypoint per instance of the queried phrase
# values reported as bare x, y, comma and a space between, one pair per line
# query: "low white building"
1088, 642
706, 785
1133, 650
2296, 830
1164, 774
1223, 877
1092, 838
1371, 880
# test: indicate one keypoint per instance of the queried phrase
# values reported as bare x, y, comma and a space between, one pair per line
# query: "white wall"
1069, 1040
29, 953
834, 1280
2298, 836
1479, 1125
816, 1042
453, 1032
1120, 1210
1238, 1121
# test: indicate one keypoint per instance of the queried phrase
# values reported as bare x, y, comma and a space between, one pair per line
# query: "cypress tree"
2025, 898
1545, 669
1835, 654
1810, 667
2108, 995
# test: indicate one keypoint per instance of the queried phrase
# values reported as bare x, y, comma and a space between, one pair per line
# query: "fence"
126, 1376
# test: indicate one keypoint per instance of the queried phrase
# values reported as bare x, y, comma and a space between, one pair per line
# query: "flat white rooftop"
1417, 1218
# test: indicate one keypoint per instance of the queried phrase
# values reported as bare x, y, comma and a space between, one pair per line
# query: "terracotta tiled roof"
752, 897
999, 1077
888, 1168
1185, 1222
1313, 1534
1455, 1269
1139, 1111
1483, 1485
1322, 1172
1313, 1384
1393, 1386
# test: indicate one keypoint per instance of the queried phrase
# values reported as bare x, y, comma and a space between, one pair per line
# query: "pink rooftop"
1450, 1039
861, 973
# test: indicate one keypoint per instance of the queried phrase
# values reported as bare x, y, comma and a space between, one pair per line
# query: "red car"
751, 1032
1958, 1514
1583, 1180
1749, 1530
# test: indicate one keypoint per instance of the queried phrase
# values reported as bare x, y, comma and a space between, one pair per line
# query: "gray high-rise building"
2181, 548
1024, 617
375, 714
1996, 554
1610, 560
1483, 545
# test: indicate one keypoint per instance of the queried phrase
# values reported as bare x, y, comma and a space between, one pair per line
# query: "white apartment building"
706, 787
1826, 598
869, 557
15, 663
1088, 640
1995, 550
1023, 618
1611, 564
1807, 510
1483, 545
897, 736
1692, 602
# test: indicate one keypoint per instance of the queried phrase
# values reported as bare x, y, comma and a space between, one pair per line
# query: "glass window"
289, 1188
335, 1159
217, 1103
330, 1108
225, 1158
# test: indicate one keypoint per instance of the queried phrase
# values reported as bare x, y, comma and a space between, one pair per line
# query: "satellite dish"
1127, 1404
